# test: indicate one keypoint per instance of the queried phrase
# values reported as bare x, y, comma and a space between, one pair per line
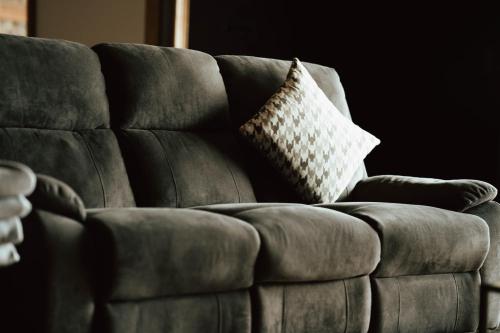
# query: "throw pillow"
306, 138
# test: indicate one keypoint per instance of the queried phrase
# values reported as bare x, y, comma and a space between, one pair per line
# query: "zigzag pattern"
307, 139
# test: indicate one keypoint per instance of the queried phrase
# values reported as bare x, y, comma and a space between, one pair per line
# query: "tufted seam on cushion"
138, 320
234, 179
458, 302
219, 314
95, 166
169, 166
283, 311
274, 205
346, 306
399, 302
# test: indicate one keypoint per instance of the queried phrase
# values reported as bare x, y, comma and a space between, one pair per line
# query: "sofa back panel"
184, 169
169, 109
209, 313
152, 87
54, 117
87, 160
50, 84
250, 81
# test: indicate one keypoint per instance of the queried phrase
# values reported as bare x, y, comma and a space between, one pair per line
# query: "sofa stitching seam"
169, 166
219, 314
95, 166
234, 180
458, 302
346, 307
283, 312
399, 302
137, 323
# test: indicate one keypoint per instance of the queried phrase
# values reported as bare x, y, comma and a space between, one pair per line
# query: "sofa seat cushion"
300, 243
422, 240
149, 253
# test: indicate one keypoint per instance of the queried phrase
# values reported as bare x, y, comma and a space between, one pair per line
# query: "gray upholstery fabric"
421, 239
250, 82
263, 77
490, 271
50, 289
457, 194
337, 306
301, 243
57, 197
53, 84
212, 313
183, 169
54, 118
146, 253
88, 161
172, 106
152, 87
426, 303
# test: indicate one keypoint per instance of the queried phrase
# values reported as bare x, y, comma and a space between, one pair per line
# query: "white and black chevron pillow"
307, 139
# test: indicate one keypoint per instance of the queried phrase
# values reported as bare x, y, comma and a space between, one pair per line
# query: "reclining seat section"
427, 279
170, 112
428, 276
54, 118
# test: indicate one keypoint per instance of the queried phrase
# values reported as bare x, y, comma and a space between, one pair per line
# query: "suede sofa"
151, 215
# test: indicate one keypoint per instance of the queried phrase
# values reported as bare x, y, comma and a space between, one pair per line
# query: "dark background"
425, 79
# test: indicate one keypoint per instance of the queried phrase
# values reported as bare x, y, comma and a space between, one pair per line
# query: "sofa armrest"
55, 196
16, 181
458, 195
490, 272
52, 282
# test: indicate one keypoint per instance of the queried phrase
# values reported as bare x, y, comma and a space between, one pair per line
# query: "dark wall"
425, 80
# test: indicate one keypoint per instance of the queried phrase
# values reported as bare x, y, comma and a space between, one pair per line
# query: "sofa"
151, 215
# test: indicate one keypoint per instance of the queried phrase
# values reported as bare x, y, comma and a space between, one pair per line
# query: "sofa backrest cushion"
250, 82
54, 117
169, 110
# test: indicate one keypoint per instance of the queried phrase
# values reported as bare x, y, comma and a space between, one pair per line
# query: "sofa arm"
490, 272
458, 195
55, 196
16, 181
50, 289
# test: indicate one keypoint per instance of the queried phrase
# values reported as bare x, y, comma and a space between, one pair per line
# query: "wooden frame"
31, 18
167, 22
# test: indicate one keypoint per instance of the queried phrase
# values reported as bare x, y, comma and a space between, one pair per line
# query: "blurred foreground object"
16, 182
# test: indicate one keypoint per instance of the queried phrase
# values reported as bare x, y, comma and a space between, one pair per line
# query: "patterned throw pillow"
307, 139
